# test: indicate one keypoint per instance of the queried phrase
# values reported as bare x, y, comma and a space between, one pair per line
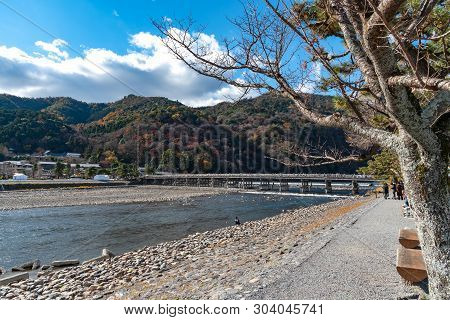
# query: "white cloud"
102, 75
145, 40
309, 83
53, 48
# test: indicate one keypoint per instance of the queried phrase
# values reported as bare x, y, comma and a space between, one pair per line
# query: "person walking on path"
400, 191
394, 189
386, 190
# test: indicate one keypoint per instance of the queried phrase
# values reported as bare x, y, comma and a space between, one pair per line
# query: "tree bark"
425, 178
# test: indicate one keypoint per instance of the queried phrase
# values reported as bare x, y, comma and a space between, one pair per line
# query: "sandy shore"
219, 264
12, 200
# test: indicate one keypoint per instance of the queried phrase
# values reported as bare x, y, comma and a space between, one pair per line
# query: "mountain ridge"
143, 129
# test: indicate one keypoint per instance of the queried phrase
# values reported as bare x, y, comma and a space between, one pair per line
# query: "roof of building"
71, 154
86, 165
17, 163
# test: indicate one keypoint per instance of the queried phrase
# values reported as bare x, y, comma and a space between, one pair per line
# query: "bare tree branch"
425, 9
434, 84
290, 163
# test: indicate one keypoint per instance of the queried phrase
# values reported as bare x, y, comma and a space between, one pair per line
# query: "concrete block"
13, 277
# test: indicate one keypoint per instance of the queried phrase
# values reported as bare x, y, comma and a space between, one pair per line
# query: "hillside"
66, 109
27, 131
167, 135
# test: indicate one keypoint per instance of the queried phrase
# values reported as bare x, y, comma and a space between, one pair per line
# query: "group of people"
398, 190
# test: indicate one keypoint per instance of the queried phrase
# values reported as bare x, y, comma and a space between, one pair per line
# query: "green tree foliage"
59, 169
149, 169
90, 172
168, 161
185, 162
125, 171
35, 169
384, 165
26, 130
67, 170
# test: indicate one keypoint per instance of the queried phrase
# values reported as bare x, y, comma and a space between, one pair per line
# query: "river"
81, 232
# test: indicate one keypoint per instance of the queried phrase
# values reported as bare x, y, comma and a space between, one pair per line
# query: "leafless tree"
310, 155
391, 75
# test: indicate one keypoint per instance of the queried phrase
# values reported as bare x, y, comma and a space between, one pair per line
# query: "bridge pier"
180, 182
284, 185
246, 184
232, 183
204, 182
328, 188
218, 183
264, 184
305, 186
355, 188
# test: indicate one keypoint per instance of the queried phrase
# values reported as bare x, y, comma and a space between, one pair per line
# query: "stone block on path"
14, 277
410, 265
65, 263
408, 238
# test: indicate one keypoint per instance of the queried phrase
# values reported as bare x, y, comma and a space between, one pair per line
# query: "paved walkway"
352, 260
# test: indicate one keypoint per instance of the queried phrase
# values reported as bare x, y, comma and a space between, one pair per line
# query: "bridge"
280, 182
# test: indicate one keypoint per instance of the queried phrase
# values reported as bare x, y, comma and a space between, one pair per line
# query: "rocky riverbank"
224, 263
12, 200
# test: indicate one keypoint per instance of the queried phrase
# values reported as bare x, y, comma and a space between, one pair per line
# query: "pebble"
230, 257
253, 280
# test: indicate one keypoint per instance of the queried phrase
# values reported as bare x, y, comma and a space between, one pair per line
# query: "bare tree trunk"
425, 178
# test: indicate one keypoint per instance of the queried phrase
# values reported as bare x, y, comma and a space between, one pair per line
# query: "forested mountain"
68, 110
245, 136
27, 131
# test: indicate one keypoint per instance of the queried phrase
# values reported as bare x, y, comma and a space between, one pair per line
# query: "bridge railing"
332, 176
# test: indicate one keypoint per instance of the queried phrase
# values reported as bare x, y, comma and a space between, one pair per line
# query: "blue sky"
104, 23
103, 50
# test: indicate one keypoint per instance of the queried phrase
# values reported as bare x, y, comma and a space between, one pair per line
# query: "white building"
73, 155
101, 177
19, 177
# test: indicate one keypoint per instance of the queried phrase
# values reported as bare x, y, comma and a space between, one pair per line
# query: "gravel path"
11, 200
356, 261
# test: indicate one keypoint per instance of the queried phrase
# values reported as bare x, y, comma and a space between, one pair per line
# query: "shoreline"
68, 197
211, 257
95, 196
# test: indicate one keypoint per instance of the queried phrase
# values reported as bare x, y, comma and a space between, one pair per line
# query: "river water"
81, 232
